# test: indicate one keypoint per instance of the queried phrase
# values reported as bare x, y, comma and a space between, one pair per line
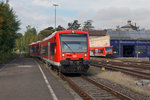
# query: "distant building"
127, 41
130, 26
130, 41
98, 38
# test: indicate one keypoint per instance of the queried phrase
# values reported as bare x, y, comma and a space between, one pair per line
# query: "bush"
4, 57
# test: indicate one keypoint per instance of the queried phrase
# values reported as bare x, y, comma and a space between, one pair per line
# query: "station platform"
27, 79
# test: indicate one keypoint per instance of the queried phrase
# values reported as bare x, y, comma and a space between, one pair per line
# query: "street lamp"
55, 14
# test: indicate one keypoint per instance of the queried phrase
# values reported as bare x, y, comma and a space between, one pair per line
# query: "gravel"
93, 71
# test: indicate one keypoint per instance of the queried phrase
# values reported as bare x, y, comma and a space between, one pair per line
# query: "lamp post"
55, 14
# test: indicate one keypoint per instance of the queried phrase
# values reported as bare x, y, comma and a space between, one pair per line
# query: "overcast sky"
104, 13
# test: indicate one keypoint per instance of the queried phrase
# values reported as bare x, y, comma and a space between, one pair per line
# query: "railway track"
125, 70
126, 64
141, 65
90, 89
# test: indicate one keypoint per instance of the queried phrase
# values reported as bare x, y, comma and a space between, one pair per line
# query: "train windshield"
108, 49
72, 42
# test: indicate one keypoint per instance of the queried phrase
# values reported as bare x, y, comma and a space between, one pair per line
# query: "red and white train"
68, 51
105, 51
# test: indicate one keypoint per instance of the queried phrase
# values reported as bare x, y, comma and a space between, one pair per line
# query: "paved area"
27, 79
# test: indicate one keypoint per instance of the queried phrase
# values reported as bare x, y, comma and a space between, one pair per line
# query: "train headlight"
63, 55
85, 55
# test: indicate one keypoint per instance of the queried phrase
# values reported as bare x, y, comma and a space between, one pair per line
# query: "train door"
49, 50
101, 51
41, 52
96, 52
91, 52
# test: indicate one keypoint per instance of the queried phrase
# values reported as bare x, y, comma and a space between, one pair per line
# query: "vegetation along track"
120, 68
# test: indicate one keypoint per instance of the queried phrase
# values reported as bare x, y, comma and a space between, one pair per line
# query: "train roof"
49, 36
32, 43
65, 31
38, 41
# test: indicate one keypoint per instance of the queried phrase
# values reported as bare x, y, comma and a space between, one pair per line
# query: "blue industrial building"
131, 48
130, 41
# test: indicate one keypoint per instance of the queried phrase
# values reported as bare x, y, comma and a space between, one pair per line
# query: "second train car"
105, 51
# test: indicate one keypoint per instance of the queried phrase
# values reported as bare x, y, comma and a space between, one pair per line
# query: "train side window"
41, 50
55, 42
37, 48
52, 45
96, 50
100, 51
46, 50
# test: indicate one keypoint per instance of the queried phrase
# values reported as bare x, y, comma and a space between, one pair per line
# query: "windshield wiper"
68, 46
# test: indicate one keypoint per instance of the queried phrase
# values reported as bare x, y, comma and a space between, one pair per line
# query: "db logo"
74, 56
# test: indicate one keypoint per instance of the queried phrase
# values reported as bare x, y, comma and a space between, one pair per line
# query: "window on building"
148, 50
141, 50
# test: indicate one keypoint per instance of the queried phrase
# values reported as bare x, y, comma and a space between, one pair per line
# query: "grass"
124, 80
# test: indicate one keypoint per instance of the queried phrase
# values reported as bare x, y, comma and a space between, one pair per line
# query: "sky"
105, 14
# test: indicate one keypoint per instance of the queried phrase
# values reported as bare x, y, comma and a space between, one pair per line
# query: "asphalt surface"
27, 79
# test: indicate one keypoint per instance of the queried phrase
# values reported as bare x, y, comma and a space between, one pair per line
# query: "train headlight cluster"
85, 55
63, 55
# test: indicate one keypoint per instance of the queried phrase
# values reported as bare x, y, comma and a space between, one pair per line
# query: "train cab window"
73, 42
108, 49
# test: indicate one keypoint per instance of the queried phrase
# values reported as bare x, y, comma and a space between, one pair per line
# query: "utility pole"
7, 1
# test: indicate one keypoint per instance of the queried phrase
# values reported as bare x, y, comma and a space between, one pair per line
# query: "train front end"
108, 52
74, 56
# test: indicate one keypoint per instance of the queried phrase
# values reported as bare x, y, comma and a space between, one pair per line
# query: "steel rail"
84, 94
124, 65
126, 71
108, 89
139, 72
78, 89
131, 65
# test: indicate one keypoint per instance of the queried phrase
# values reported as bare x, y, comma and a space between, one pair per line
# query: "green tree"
60, 28
19, 42
49, 28
9, 25
29, 37
44, 33
88, 25
74, 26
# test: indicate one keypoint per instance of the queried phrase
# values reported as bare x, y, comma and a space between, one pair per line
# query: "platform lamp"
55, 14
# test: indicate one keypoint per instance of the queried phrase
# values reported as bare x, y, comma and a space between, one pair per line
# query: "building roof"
128, 35
96, 32
130, 26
